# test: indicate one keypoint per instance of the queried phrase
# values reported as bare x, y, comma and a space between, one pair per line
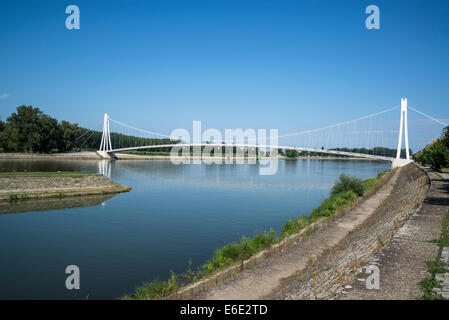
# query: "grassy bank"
45, 173
436, 266
345, 192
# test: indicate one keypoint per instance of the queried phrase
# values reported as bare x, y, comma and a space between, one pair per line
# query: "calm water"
173, 214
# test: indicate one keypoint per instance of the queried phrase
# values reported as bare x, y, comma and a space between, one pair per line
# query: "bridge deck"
182, 145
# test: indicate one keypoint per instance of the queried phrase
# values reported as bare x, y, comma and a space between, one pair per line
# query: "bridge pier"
106, 146
400, 163
106, 155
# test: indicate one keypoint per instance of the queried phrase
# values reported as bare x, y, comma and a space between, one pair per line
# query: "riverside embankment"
323, 263
257, 276
330, 274
413, 251
20, 186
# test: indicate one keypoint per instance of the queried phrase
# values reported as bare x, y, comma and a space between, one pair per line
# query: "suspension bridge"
301, 141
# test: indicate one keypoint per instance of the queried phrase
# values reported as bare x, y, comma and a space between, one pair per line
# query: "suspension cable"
141, 130
93, 131
338, 124
431, 118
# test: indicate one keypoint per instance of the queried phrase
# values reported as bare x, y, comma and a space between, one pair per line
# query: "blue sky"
159, 65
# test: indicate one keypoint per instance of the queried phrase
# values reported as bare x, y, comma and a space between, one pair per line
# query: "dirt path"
402, 262
260, 280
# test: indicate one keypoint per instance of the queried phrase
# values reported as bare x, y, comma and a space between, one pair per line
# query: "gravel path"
402, 262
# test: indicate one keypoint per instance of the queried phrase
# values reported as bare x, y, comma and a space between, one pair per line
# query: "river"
172, 214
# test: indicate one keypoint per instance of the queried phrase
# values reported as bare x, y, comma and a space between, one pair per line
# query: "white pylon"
105, 144
403, 127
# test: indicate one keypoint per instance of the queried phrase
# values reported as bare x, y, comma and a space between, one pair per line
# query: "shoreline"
322, 260
91, 155
256, 277
280, 243
24, 186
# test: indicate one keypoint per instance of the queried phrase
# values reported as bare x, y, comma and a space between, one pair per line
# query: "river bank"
234, 258
409, 263
334, 271
325, 263
91, 155
21, 186
300, 250
152, 232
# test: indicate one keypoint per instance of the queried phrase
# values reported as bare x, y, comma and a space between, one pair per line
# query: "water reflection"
52, 203
104, 167
172, 214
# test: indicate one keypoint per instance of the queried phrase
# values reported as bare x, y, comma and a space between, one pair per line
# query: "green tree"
27, 122
445, 137
50, 135
438, 154
68, 136
292, 153
9, 139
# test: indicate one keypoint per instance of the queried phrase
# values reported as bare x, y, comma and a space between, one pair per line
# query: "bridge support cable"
142, 130
338, 124
348, 138
430, 117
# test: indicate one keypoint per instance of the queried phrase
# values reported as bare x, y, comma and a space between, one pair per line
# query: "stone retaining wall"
328, 275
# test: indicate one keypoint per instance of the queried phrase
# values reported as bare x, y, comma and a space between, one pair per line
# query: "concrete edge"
70, 192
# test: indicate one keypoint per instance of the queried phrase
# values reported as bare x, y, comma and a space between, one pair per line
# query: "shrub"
348, 183
291, 153
293, 226
238, 251
332, 204
154, 289
436, 154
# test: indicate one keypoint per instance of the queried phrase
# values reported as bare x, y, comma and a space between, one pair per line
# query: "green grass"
347, 183
335, 202
236, 252
330, 205
294, 226
436, 266
43, 173
154, 289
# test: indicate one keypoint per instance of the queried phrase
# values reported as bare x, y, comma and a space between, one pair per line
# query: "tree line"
30, 130
378, 151
436, 153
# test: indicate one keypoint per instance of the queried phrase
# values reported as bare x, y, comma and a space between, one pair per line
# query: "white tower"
105, 145
403, 127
